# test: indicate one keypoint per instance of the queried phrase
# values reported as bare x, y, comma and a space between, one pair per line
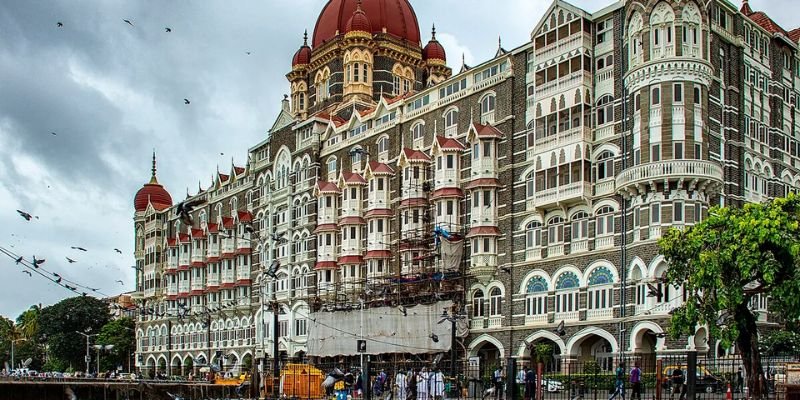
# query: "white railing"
477, 323
533, 254
228, 246
601, 313
351, 247
212, 251
484, 260
604, 242
579, 246
580, 134
172, 263
184, 259
484, 216
351, 208
604, 132
183, 287
451, 131
446, 178
676, 169
576, 190
198, 284
488, 118
690, 51
555, 250
243, 272
604, 187
495, 321
228, 277
244, 242
212, 280
326, 215
172, 290
567, 316
326, 253
536, 319
655, 232
378, 200
485, 167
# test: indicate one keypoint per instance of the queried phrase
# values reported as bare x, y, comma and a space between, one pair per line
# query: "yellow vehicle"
231, 380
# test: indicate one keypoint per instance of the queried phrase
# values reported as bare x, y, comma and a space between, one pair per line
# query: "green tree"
120, 333
723, 262
61, 322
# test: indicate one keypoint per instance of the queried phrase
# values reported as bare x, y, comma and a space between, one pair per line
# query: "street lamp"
88, 357
100, 348
12, 350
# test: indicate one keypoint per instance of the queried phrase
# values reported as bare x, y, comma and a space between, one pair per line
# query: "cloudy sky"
113, 92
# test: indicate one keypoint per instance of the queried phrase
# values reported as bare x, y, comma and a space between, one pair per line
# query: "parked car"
705, 380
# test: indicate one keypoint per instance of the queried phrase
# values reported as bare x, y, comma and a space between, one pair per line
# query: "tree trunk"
751, 358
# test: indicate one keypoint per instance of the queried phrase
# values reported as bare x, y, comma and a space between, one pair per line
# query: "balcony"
243, 273
555, 250
654, 232
698, 174
197, 284
326, 253
413, 190
566, 194
228, 277
565, 45
564, 138
600, 313
244, 242
604, 187
604, 242
172, 263
579, 246
484, 167
567, 316
212, 281
495, 321
483, 265
184, 260
183, 287
536, 319
484, 216
213, 251
477, 323
533, 254
567, 82
198, 256
228, 246
446, 178
351, 208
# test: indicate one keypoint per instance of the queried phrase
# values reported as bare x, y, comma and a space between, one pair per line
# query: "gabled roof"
445, 143
245, 216
238, 170
485, 131
352, 178
763, 20
378, 168
327, 187
198, 233
556, 4
284, 119
414, 155
794, 34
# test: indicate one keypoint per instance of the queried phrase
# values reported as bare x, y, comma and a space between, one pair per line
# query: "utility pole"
12, 350
88, 356
275, 334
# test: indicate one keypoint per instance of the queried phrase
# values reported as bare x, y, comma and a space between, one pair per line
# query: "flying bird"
58, 280
138, 268
78, 248
59, 24
27, 272
53, 133
560, 331
37, 263
121, 282
128, 22
278, 237
222, 154
71, 261
653, 291
247, 52
118, 250
184, 209
168, 29
19, 260
25, 215
186, 101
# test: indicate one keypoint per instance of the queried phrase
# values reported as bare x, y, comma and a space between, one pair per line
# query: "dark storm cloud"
113, 92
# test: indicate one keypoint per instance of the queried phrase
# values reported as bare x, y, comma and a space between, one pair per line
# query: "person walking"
739, 380
636, 382
619, 384
530, 384
436, 384
422, 384
497, 378
412, 384
400, 382
677, 383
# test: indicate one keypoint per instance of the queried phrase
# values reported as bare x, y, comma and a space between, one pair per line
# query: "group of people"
414, 384
635, 379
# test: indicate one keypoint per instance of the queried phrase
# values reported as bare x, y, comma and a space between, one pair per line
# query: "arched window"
605, 110
604, 166
555, 230
478, 306
418, 134
487, 104
331, 168
536, 300
451, 123
533, 235
662, 25
580, 226
567, 291
691, 30
530, 185
383, 145
600, 296
635, 38
604, 224
495, 302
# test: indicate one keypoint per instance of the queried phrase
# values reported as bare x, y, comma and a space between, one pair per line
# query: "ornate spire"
433, 32
305, 37
153, 177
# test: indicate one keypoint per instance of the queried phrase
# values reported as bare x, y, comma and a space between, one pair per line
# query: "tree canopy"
61, 322
119, 333
728, 259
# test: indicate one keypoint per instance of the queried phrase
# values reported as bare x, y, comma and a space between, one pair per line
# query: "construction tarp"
385, 330
452, 253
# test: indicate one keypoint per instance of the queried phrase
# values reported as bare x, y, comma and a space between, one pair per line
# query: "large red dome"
152, 193
397, 17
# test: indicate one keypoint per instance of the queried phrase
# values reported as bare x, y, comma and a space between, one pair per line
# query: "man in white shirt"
437, 384
400, 385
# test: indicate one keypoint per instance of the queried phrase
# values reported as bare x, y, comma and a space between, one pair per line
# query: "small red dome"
152, 192
395, 17
303, 55
358, 22
434, 50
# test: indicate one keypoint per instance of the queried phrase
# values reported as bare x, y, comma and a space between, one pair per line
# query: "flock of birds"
35, 264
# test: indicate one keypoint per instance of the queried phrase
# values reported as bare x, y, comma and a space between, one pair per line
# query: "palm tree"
28, 322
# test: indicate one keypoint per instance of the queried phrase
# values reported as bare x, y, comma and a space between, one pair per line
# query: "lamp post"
453, 318
100, 348
88, 356
12, 350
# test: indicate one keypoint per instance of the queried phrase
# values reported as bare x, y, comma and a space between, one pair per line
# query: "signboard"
473, 367
259, 352
361, 346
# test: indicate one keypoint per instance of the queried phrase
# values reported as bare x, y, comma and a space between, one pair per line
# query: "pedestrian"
619, 384
739, 380
422, 384
636, 382
400, 382
380, 382
436, 384
677, 383
530, 384
498, 382
412, 384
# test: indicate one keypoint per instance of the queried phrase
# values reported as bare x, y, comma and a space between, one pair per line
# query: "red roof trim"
326, 228
354, 178
244, 250
449, 143
447, 192
325, 265
245, 216
227, 222
417, 202
172, 242
351, 260
327, 187
198, 233
184, 238
352, 221
379, 212
378, 168
227, 285
197, 292
415, 155
376, 254
483, 182
213, 228
198, 264
484, 231
243, 282
212, 259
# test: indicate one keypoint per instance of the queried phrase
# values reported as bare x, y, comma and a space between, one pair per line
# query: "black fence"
587, 378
